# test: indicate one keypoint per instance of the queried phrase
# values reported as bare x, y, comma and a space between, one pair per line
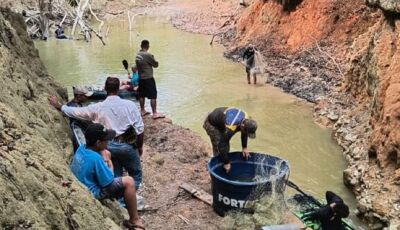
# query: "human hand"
246, 153
227, 167
54, 102
107, 158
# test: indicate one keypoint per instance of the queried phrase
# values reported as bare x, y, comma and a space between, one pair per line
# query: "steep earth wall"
37, 189
267, 23
345, 55
374, 79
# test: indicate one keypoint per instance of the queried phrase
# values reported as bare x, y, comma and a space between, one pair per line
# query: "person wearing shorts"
97, 175
248, 58
145, 63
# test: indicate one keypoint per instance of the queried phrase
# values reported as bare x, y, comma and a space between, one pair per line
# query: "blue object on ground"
234, 190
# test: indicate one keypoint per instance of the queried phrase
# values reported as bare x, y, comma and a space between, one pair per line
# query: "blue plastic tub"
234, 190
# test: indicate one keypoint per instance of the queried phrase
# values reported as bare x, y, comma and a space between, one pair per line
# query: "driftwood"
71, 12
198, 193
183, 218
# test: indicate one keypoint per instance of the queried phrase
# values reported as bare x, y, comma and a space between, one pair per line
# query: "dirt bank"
37, 188
174, 155
340, 55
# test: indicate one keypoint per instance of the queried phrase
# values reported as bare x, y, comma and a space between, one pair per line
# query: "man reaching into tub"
221, 124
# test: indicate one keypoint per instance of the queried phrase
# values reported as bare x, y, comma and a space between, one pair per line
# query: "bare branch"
329, 56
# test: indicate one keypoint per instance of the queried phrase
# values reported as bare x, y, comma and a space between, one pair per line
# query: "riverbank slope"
37, 189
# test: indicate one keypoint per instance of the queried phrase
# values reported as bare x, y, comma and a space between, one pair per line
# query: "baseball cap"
250, 127
82, 90
95, 132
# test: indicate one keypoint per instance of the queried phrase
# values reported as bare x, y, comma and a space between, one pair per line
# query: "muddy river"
193, 78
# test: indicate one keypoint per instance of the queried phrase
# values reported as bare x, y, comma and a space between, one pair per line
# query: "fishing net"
259, 67
269, 206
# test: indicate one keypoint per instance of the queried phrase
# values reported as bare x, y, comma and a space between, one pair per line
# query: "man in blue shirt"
91, 170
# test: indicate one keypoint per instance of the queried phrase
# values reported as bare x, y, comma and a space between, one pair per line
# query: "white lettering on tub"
233, 202
226, 200
241, 203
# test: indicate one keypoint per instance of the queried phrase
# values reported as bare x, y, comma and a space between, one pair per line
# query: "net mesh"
269, 207
259, 68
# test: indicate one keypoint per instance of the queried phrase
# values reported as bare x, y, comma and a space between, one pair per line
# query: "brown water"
193, 79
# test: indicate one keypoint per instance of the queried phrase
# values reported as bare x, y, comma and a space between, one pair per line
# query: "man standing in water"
221, 124
147, 86
248, 59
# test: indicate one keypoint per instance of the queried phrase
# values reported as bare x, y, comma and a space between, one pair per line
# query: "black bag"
129, 136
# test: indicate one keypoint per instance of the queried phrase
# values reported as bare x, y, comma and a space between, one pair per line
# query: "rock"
386, 5
1, 125
348, 177
362, 207
110, 224
350, 137
157, 158
377, 226
394, 225
333, 117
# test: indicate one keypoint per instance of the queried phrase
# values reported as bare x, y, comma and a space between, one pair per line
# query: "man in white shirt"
119, 115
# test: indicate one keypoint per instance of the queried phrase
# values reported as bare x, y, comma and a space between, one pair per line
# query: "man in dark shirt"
330, 215
145, 63
248, 58
81, 95
60, 33
221, 124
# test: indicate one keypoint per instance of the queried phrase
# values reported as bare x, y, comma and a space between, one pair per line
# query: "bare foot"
158, 115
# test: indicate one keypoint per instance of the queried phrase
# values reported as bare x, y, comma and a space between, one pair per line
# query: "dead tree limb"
329, 56
226, 23
97, 34
99, 20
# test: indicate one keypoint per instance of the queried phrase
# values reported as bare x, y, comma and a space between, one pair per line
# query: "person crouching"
90, 169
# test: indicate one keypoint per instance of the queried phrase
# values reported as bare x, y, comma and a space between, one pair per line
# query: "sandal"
131, 226
158, 116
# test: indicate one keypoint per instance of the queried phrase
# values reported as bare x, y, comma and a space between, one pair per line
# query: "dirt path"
174, 155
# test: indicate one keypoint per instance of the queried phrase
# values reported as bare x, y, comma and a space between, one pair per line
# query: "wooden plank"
198, 193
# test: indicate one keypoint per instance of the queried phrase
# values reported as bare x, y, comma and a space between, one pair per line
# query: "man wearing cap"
119, 115
248, 58
330, 215
90, 169
81, 95
221, 124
